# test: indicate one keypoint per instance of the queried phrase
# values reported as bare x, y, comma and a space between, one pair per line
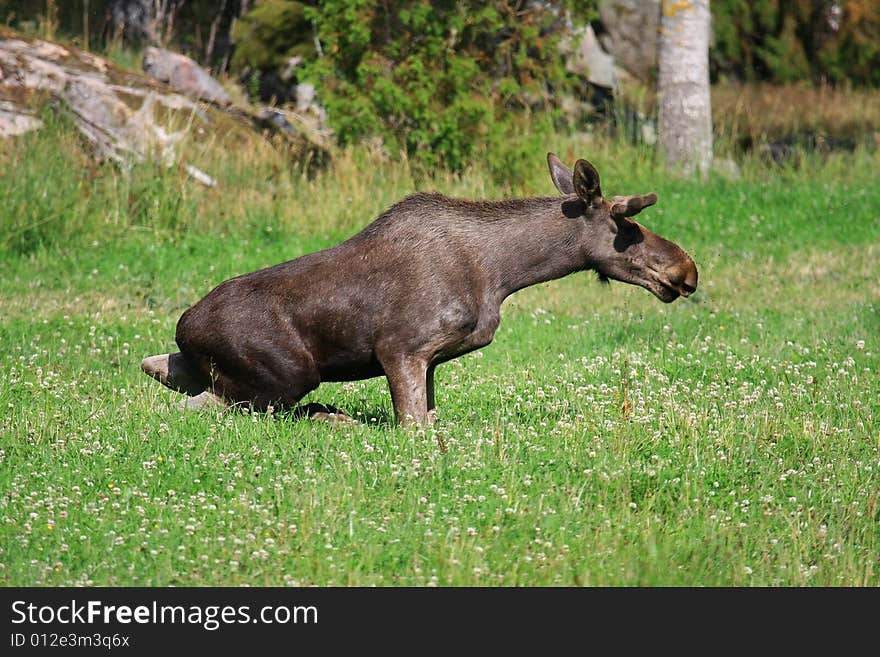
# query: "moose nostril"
684, 279
676, 276
682, 276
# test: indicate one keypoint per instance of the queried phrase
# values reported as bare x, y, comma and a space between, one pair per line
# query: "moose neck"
531, 249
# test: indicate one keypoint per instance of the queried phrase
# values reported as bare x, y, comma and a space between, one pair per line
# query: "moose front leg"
407, 376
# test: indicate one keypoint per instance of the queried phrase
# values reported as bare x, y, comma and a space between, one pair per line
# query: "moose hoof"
323, 413
156, 367
173, 371
202, 401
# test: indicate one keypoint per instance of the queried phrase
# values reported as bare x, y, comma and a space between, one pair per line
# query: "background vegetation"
793, 40
441, 80
768, 40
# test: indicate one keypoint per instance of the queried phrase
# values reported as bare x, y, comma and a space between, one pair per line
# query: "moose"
420, 285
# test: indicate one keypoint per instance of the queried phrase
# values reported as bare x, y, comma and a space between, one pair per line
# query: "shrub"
437, 80
793, 40
270, 34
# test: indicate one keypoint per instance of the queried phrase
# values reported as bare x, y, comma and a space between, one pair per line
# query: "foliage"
770, 40
438, 80
785, 41
270, 34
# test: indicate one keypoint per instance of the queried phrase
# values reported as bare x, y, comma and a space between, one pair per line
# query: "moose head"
615, 245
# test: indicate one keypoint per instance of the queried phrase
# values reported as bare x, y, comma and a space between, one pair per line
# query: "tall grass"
52, 193
818, 116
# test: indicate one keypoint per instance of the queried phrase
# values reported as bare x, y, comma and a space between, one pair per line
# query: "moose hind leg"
264, 383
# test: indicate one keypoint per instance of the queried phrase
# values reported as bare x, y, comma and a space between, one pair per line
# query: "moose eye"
631, 232
627, 234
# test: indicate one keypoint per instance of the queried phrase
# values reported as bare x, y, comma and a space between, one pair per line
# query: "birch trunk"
685, 112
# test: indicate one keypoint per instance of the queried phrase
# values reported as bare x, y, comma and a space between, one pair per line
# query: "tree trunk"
685, 120
212, 36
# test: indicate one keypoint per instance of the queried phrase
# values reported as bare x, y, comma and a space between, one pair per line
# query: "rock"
184, 76
573, 107
116, 131
649, 133
16, 121
587, 58
274, 118
116, 110
631, 35
200, 175
101, 107
305, 96
21, 65
311, 112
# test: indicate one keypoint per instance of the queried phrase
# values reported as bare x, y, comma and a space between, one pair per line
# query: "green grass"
603, 439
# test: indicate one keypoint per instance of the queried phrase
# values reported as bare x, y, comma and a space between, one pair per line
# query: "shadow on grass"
315, 411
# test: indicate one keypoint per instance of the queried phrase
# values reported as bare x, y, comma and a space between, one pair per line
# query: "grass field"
603, 439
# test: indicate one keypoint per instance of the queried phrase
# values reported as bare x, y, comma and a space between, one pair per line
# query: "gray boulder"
631, 36
586, 57
184, 76
16, 120
115, 116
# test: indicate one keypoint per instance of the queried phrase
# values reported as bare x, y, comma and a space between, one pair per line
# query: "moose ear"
560, 174
628, 206
586, 181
